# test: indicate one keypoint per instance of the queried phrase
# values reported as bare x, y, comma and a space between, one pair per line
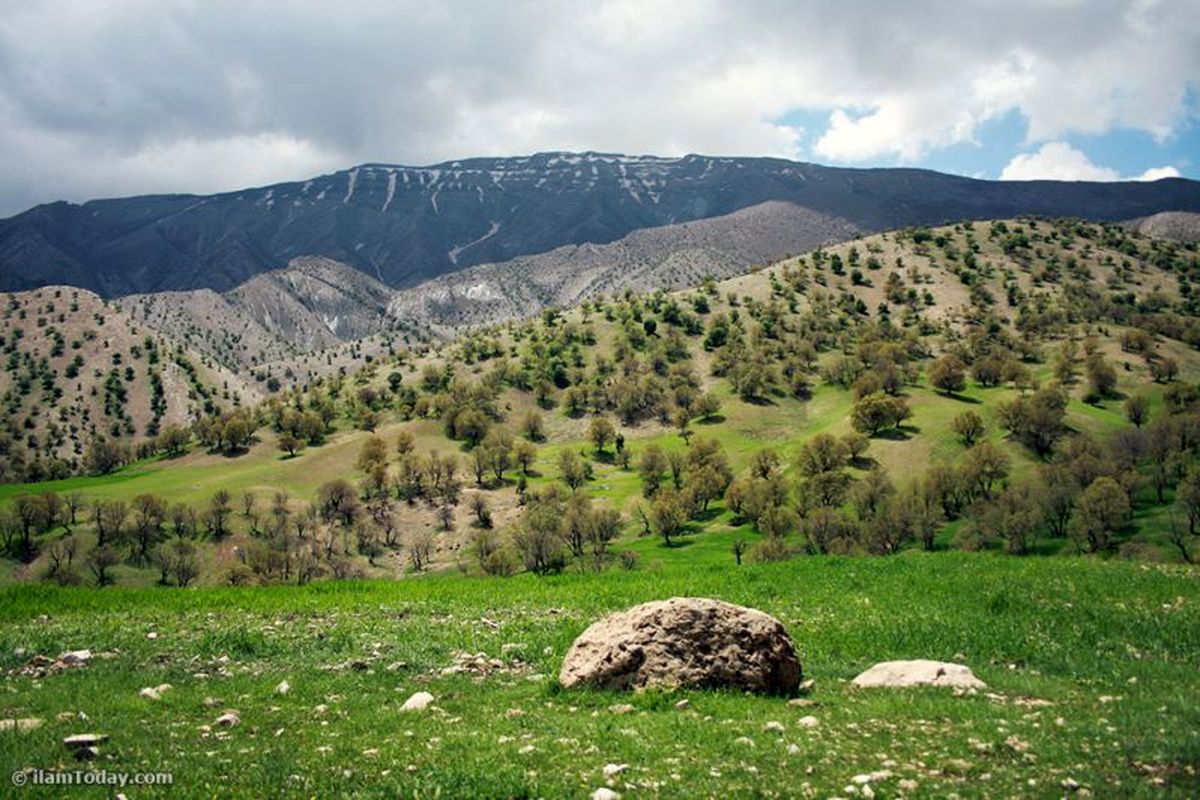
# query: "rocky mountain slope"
672, 257
404, 225
313, 304
1178, 226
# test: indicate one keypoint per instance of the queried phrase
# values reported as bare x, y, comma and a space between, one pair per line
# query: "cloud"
1059, 161
151, 95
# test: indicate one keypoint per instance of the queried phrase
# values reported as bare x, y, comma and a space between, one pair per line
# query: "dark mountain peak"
404, 224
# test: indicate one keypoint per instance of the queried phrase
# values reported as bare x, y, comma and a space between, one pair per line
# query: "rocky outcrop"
685, 642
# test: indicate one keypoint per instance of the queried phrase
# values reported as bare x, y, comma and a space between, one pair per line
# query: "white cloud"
1059, 161
138, 95
1158, 173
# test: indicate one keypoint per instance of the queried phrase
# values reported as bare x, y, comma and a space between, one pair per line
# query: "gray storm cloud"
109, 98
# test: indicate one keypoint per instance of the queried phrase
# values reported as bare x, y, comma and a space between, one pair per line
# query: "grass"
1113, 646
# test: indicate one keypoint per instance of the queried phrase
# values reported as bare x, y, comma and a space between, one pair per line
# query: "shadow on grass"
901, 433
962, 398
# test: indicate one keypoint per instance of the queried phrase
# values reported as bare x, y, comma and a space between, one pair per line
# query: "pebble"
228, 719
621, 708
418, 702
150, 694
809, 721
773, 727
613, 770
744, 741
683, 705
604, 793
283, 688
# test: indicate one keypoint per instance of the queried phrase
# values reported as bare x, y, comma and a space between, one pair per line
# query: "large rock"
902, 674
685, 642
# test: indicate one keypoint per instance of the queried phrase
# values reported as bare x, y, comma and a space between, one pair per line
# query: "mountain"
405, 225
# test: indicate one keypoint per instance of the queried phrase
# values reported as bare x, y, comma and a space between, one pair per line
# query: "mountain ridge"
405, 225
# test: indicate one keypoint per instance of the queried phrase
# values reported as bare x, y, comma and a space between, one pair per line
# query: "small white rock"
283, 688
76, 658
228, 719
152, 635
604, 793
613, 770
809, 721
683, 704
773, 726
150, 694
418, 702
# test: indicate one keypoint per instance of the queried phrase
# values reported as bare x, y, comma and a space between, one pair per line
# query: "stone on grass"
283, 688
76, 658
685, 642
24, 725
85, 746
229, 719
808, 722
150, 693
604, 793
613, 770
920, 672
418, 702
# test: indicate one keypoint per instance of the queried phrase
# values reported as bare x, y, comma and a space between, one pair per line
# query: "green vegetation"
1016, 389
1091, 668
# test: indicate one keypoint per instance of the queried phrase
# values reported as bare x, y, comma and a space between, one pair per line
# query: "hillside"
1179, 226
78, 370
667, 257
312, 304
768, 361
404, 225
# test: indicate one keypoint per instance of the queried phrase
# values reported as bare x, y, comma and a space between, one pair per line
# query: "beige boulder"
919, 672
685, 642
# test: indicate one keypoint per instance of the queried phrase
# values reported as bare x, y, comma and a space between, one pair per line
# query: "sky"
102, 98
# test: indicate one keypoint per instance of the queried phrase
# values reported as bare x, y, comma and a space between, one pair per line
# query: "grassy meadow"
1091, 668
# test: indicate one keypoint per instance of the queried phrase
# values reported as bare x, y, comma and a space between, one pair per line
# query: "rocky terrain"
1179, 226
312, 304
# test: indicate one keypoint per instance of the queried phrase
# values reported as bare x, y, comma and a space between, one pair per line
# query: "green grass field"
1091, 668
